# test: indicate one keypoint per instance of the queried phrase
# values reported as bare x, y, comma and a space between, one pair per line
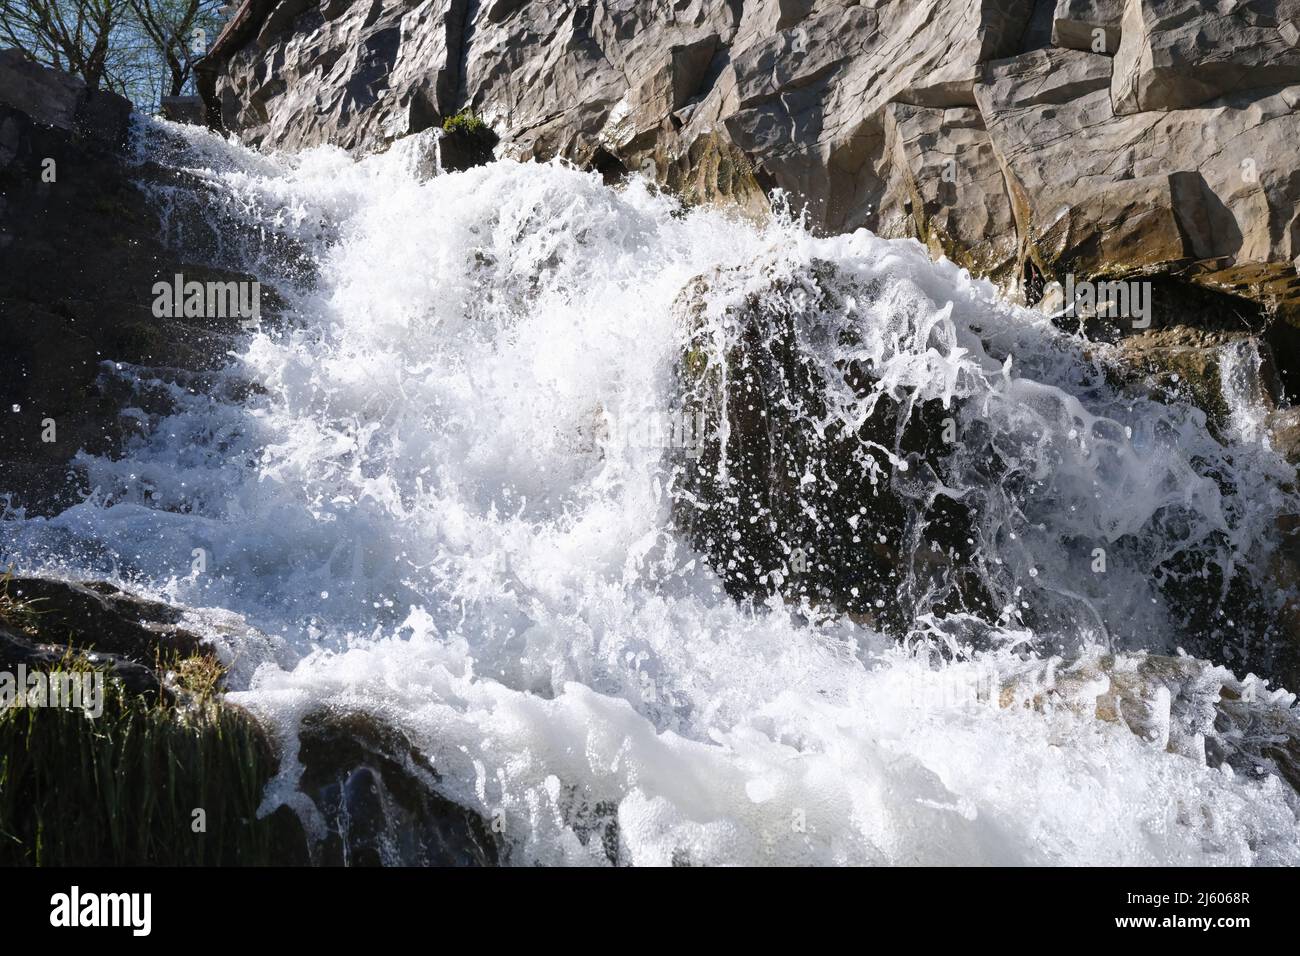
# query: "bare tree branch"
140, 48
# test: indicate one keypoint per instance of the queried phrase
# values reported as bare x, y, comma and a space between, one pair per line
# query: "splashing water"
421, 504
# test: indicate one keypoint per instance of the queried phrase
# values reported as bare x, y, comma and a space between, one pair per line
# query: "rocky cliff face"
1019, 137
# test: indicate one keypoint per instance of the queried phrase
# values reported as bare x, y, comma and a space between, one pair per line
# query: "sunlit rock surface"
1033, 135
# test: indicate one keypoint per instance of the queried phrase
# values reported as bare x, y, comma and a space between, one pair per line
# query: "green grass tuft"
16, 613
122, 789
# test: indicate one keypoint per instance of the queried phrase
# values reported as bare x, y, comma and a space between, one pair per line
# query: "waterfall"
430, 486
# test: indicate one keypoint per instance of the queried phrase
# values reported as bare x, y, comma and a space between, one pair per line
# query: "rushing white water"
422, 505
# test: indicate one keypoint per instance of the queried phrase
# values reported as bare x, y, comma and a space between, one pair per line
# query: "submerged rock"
1229, 375
1179, 704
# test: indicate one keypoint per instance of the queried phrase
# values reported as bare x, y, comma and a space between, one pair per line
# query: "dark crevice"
609, 166
460, 38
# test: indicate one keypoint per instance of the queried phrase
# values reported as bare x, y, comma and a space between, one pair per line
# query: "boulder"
20, 651
183, 109
136, 640
816, 482
154, 745
1284, 430
783, 496
377, 795
106, 618
379, 801
1228, 374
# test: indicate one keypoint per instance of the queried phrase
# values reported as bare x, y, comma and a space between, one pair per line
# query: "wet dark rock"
378, 796
42, 620
1218, 372
1284, 429
1238, 366
81, 255
1191, 338
1228, 372
98, 615
821, 516
96, 118
183, 109
787, 500
465, 146
17, 649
